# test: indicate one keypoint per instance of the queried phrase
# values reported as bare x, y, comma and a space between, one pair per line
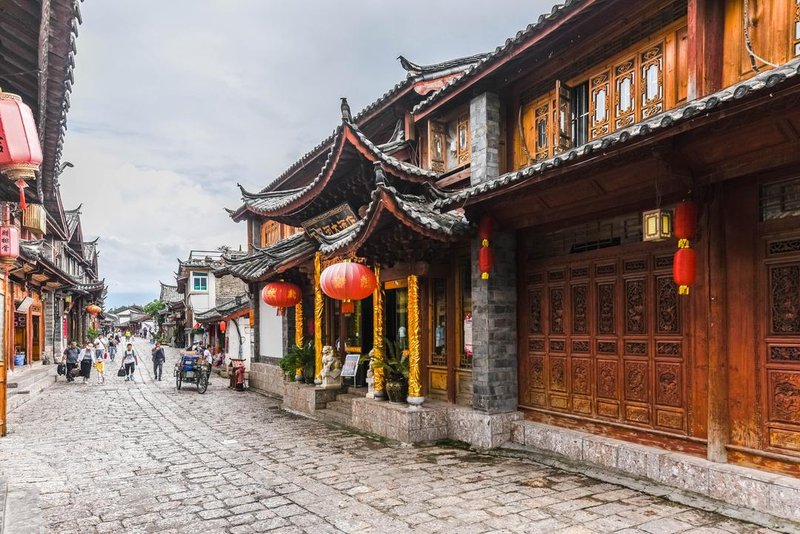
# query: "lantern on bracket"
93, 309
684, 265
281, 295
656, 225
222, 327
348, 281
20, 150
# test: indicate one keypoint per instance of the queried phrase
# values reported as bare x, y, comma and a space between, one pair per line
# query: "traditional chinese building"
567, 137
56, 276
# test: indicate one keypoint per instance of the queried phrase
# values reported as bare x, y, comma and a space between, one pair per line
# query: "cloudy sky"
175, 101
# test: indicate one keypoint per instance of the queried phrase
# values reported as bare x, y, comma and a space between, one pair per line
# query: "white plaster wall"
270, 331
233, 339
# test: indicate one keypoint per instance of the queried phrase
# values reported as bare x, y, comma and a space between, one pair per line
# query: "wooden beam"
706, 21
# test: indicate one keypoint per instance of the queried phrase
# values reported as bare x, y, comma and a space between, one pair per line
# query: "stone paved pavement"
143, 457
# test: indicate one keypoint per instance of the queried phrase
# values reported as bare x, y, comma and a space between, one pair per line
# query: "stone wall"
49, 303
306, 399
484, 124
228, 287
494, 329
267, 378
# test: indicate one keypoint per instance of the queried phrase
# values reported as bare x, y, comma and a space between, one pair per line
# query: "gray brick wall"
494, 328
484, 124
49, 327
229, 287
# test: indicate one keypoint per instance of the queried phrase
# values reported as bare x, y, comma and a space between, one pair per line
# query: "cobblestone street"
143, 457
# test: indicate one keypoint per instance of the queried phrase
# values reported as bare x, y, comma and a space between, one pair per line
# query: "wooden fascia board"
555, 26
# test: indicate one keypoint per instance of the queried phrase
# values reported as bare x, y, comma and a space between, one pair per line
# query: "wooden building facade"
565, 135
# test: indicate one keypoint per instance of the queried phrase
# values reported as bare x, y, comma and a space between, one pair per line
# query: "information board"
350, 365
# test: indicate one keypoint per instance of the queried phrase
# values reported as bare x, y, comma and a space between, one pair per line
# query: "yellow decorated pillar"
298, 332
377, 334
319, 305
415, 397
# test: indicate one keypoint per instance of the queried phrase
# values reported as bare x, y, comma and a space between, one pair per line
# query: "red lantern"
348, 281
223, 326
485, 227
20, 151
485, 261
197, 326
93, 309
685, 222
9, 246
282, 295
684, 269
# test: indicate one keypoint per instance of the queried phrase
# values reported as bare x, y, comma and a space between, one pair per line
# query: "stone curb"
688, 498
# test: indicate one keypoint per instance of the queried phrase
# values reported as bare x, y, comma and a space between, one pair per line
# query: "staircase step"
344, 408
331, 417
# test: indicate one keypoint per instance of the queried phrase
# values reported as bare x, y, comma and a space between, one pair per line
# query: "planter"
397, 390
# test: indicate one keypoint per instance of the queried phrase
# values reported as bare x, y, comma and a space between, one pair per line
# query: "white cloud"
177, 101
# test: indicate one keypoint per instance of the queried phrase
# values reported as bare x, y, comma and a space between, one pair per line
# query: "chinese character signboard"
331, 222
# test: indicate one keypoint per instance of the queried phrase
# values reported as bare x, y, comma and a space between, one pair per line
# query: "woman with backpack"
129, 360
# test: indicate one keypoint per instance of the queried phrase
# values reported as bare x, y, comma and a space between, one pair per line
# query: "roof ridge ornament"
347, 116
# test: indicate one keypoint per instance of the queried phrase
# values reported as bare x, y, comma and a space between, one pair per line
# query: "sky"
176, 101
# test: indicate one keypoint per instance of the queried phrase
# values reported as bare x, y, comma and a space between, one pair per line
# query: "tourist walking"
112, 348
100, 367
71, 355
87, 359
159, 357
130, 360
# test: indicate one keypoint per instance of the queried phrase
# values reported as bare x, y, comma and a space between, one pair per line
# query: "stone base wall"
267, 378
399, 421
481, 430
306, 399
765, 492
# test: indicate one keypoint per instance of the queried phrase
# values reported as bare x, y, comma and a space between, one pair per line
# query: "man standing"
158, 360
71, 356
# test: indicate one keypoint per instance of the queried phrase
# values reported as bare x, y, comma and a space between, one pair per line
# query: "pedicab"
192, 369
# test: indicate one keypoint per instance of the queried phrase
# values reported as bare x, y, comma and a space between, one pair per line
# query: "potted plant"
395, 367
299, 358
288, 364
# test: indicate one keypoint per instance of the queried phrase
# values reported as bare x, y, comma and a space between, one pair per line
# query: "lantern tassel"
683, 243
683, 290
22, 185
484, 276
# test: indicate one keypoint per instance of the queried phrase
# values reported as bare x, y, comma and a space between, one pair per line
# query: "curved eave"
386, 202
347, 134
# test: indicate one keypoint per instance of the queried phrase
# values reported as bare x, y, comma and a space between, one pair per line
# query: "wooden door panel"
606, 338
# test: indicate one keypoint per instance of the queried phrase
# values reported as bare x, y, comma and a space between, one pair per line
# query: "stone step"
332, 417
342, 407
30, 387
24, 379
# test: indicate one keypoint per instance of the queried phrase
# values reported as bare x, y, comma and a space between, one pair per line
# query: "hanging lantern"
347, 281
684, 269
485, 227
197, 326
485, 261
223, 326
685, 222
656, 225
9, 246
281, 295
20, 151
93, 309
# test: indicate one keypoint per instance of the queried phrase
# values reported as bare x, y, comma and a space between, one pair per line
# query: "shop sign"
350, 365
331, 222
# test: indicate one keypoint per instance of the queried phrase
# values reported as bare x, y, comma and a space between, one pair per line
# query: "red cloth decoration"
485, 227
20, 151
347, 281
684, 269
223, 326
685, 222
485, 261
9, 245
281, 295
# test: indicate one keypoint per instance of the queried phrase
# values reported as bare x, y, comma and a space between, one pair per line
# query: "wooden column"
319, 305
706, 28
377, 334
718, 419
415, 397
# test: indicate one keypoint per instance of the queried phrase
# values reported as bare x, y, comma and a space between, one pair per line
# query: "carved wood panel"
607, 339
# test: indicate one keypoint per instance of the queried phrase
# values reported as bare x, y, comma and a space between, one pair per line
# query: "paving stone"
160, 460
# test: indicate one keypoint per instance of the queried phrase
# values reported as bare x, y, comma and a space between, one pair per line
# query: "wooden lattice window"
270, 233
796, 28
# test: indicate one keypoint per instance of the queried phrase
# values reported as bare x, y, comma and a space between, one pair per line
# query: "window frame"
196, 276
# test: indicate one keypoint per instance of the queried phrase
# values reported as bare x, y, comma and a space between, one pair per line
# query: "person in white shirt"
129, 360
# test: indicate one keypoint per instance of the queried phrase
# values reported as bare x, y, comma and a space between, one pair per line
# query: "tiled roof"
268, 202
763, 82
493, 57
419, 209
457, 64
169, 294
234, 305
73, 220
254, 266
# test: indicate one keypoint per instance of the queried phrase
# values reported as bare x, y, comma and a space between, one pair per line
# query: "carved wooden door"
607, 338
